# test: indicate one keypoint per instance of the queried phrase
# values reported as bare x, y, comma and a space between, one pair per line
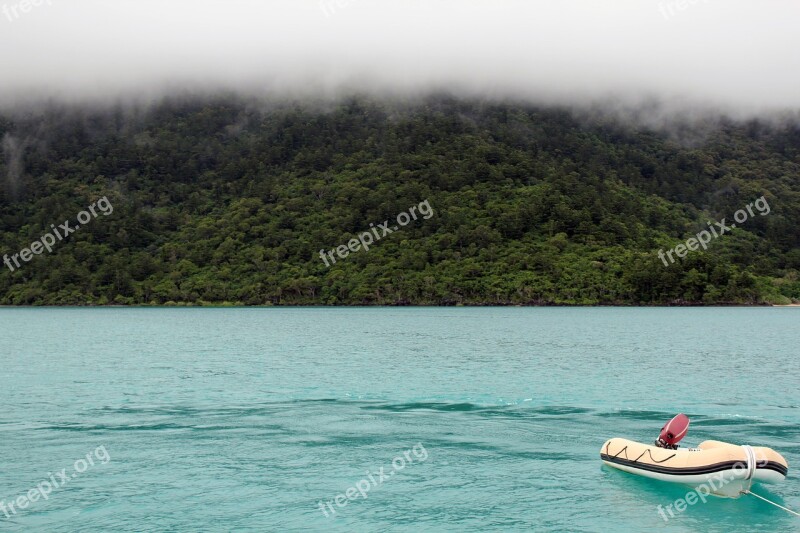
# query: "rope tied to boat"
751, 470
747, 491
751, 465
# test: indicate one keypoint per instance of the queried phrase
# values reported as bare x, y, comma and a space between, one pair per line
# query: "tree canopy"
224, 200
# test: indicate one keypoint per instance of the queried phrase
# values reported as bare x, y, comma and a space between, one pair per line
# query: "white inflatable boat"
725, 469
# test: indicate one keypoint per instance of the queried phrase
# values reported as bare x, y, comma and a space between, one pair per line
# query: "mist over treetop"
736, 54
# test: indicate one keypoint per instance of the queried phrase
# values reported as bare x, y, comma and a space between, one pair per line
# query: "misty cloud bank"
733, 54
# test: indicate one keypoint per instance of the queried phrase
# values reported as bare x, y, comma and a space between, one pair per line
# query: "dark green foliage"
226, 201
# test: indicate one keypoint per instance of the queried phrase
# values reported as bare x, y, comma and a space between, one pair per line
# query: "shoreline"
366, 306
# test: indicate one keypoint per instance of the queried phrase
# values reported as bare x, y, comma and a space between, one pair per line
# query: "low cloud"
736, 54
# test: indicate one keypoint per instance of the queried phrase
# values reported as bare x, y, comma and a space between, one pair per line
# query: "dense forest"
229, 200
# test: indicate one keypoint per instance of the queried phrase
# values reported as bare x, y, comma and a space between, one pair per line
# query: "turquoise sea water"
247, 419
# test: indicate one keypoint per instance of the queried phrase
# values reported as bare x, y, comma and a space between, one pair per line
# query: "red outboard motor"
672, 433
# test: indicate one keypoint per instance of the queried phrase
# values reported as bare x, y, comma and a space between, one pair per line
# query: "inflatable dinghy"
724, 469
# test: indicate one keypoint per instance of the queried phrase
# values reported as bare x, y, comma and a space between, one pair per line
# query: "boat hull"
723, 469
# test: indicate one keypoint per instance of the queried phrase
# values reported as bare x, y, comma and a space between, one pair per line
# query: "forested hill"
227, 200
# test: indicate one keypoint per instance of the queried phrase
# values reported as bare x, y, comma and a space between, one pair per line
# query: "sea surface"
483, 419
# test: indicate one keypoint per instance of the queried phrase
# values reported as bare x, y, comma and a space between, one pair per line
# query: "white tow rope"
773, 503
751, 470
751, 465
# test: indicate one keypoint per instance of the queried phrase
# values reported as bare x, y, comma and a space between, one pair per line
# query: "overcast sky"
727, 52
